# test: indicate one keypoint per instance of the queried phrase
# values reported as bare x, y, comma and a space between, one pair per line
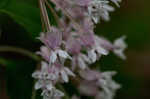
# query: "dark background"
20, 25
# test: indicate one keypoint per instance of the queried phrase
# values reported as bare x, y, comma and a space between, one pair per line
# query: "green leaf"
23, 13
18, 77
3, 3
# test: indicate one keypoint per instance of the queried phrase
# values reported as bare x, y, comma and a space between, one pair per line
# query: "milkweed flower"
120, 46
100, 84
70, 48
99, 9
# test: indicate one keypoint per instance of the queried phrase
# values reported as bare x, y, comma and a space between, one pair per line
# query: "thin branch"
54, 13
33, 92
76, 25
42, 21
21, 51
44, 14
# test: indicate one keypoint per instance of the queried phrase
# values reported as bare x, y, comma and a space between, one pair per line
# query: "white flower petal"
49, 86
58, 93
69, 72
120, 54
107, 85
36, 74
101, 50
95, 19
120, 47
63, 54
85, 58
120, 42
92, 55
81, 63
64, 76
44, 66
109, 8
38, 85
53, 57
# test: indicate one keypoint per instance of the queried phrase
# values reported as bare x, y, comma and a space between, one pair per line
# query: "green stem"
33, 92
44, 14
20, 51
54, 13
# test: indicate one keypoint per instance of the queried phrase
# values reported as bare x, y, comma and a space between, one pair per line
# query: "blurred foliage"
18, 77
20, 25
23, 13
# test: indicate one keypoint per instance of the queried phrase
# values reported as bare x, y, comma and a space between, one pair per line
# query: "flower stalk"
44, 14
20, 51
54, 13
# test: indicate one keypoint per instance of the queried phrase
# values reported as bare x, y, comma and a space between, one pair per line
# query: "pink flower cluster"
68, 50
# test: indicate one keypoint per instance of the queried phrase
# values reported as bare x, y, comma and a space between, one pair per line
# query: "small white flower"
69, 72
43, 84
38, 85
45, 77
61, 53
53, 56
49, 86
65, 72
99, 9
120, 46
64, 76
44, 52
52, 94
96, 51
98, 47
85, 58
44, 72
92, 55
107, 85
83, 61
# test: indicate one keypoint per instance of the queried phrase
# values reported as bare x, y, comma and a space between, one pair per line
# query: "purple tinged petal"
44, 52
52, 39
90, 75
104, 43
88, 88
73, 46
87, 40
88, 26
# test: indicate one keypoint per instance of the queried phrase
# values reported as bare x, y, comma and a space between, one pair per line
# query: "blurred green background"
20, 25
